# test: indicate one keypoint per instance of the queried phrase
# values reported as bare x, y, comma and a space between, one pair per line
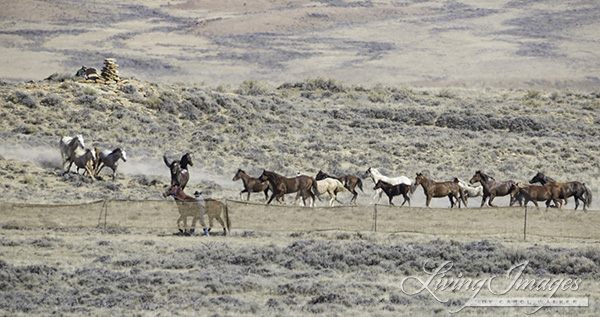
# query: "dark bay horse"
303, 185
349, 181
440, 189
493, 188
575, 189
537, 193
395, 190
251, 184
197, 207
179, 170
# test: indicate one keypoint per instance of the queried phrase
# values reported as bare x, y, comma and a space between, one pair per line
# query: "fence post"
374, 217
525, 226
104, 210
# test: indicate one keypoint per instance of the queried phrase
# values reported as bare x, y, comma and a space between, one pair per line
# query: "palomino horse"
179, 170
303, 185
440, 189
493, 188
469, 190
196, 207
68, 145
537, 193
110, 158
376, 176
395, 190
331, 186
251, 184
349, 181
575, 189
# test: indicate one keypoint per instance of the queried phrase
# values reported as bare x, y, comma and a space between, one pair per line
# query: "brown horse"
179, 170
395, 190
197, 207
303, 185
493, 188
575, 189
440, 189
251, 184
349, 181
537, 193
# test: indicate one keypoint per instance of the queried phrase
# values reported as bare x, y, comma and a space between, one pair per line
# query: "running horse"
575, 189
537, 193
440, 189
395, 190
376, 176
349, 181
197, 207
493, 188
111, 159
303, 185
179, 170
251, 184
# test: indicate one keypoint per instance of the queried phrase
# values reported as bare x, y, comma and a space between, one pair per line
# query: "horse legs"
492, 196
266, 191
450, 196
406, 198
354, 196
483, 198
390, 197
428, 200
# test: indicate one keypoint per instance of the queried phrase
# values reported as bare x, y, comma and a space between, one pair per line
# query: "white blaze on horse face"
124, 156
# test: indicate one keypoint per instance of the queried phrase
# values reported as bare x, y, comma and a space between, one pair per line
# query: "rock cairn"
110, 70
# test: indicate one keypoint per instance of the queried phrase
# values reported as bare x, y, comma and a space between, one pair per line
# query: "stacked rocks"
110, 70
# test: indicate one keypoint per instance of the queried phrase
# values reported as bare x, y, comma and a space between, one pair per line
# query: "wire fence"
162, 215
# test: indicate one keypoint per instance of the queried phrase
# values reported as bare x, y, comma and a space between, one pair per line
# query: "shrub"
23, 98
51, 101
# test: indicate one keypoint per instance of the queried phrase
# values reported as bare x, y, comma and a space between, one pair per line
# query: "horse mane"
116, 150
186, 160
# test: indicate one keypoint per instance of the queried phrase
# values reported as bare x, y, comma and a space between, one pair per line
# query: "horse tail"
227, 221
313, 189
166, 161
359, 184
588, 196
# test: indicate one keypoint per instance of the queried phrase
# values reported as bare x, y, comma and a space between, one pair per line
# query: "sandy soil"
547, 44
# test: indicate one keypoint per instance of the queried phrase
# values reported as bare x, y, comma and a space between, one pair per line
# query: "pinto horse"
303, 185
493, 188
469, 190
349, 181
395, 190
575, 189
197, 207
440, 189
179, 170
251, 184
537, 193
376, 176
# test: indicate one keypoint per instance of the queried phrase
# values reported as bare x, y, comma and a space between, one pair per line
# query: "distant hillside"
318, 124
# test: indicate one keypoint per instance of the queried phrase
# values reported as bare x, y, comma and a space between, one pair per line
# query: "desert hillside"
305, 126
509, 43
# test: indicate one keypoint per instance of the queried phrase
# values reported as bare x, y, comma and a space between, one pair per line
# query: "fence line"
162, 214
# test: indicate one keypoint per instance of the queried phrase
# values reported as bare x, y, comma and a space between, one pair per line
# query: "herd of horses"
307, 187
457, 191
73, 150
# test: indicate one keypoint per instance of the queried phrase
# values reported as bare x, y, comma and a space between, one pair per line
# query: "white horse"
332, 187
376, 176
468, 189
86, 159
68, 145
110, 158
